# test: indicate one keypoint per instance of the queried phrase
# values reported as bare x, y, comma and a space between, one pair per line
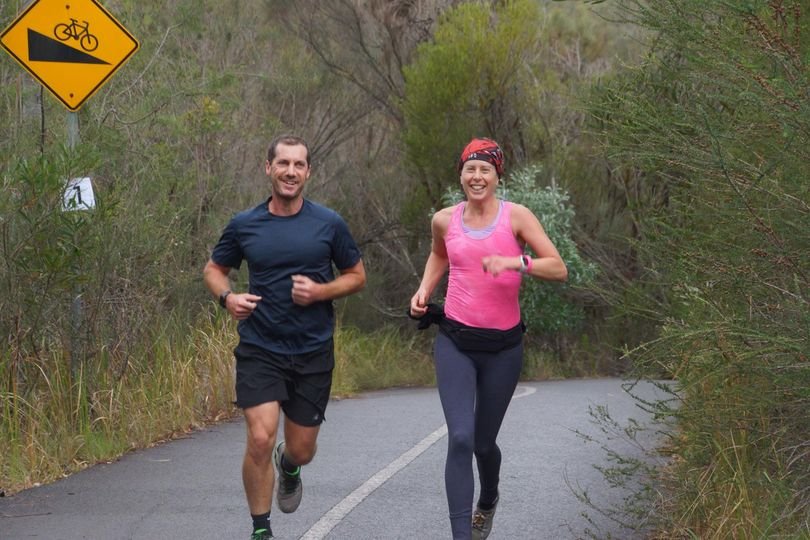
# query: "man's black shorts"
300, 382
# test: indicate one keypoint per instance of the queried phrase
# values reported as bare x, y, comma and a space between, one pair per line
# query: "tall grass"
742, 442
65, 421
180, 379
383, 358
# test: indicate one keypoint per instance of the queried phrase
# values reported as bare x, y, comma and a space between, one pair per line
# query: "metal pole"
76, 308
72, 130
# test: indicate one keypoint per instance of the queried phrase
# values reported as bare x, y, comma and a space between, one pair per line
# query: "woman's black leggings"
475, 389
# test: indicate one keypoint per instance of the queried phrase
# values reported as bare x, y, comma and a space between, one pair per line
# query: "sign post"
76, 307
72, 47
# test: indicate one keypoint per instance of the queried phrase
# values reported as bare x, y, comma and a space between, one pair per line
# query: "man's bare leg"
257, 467
300, 442
298, 449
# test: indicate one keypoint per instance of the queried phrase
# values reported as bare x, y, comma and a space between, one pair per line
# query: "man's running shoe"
482, 521
261, 534
290, 489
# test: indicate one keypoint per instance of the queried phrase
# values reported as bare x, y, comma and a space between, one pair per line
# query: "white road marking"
523, 391
340, 510
331, 519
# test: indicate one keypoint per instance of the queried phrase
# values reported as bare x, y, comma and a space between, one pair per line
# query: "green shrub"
716, 120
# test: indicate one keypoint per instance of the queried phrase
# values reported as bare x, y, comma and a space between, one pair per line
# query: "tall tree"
507, 70
368, 42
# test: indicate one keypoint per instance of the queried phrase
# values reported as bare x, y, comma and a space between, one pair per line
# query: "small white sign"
79, 195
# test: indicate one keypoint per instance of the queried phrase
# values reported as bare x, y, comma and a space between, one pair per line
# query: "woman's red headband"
485, 150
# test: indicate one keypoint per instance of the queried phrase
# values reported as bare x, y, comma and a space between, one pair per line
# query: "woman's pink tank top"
475, 297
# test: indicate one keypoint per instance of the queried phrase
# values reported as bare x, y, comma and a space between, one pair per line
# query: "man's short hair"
289, 140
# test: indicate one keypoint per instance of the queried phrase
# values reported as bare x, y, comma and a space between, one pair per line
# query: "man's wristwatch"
223, 296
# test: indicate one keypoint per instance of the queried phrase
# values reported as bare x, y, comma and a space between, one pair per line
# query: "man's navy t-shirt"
276, 248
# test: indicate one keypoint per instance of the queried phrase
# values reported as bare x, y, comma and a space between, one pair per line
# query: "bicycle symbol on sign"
77, 31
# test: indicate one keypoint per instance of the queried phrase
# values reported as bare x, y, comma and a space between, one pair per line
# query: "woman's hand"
419, 304
495, 264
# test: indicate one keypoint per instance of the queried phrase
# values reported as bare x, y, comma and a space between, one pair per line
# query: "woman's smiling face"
479, 179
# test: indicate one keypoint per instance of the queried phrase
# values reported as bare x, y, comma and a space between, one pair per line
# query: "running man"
285, 355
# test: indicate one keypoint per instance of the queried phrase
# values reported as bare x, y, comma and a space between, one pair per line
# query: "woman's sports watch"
525, 264
223, 296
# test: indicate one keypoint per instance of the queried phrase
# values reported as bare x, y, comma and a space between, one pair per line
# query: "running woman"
479, 348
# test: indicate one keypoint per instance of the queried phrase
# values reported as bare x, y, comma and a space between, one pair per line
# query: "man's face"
288, 171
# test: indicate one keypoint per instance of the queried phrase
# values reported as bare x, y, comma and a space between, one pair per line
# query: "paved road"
378, 476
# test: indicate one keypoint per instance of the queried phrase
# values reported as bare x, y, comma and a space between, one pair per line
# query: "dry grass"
179, 382
64, 423
183, 380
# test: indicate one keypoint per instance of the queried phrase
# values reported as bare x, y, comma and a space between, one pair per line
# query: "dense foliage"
717, 118
509, 71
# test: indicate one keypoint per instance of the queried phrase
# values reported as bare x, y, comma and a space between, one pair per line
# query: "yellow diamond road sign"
71, 46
